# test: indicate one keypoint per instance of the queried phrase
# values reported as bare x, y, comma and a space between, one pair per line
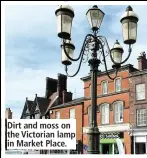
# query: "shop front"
109, 135
108, 143
139, 141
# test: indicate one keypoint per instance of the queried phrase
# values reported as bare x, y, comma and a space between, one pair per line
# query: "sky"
32, 48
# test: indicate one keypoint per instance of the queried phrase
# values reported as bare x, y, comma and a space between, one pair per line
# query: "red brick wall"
134, 104
127, 142
64, 114
111, 86
110, 98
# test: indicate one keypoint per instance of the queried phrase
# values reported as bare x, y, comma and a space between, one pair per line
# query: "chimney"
142, 61
61, 86
67, 97
8, 113
51, 87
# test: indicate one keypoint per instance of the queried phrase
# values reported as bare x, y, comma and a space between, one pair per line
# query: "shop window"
140, 91
140, 148
118, 111
105, 113
141, 117
117, 84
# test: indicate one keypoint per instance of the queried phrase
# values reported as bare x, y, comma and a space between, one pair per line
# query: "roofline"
69, 103
37, 105
109, 71
143, 72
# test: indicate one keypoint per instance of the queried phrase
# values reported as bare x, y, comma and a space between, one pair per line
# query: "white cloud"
40, 21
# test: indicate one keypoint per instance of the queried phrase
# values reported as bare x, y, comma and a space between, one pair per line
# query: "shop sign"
111, 135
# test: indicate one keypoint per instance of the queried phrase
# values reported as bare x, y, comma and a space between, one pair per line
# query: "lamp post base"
93, 140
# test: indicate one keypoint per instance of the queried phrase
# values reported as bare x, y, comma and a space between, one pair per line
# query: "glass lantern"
69, 47
129, 26
65, 15
116, 52
95, 17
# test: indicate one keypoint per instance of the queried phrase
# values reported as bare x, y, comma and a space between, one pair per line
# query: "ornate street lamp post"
93, 45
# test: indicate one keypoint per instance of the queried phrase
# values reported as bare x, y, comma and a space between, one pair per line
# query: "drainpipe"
82, 124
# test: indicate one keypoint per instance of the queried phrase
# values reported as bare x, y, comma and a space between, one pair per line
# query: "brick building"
116, 110
112, 110
55, 95
72, 110
138, 107
8, 115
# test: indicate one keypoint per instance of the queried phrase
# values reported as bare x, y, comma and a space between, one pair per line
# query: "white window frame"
117, 113
115, 86
72, 113
105, 113
57, 115
103, 92
37, 115
141, 91
141, 117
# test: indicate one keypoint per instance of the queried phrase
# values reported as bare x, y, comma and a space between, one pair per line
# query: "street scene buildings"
121, 108
111, 114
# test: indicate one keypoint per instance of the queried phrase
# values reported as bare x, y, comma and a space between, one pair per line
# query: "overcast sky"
33, 48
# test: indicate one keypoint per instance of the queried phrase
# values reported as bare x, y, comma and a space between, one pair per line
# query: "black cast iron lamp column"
93, 47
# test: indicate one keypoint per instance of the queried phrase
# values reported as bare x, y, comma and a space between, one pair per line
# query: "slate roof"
43, 104
71, 103
28, 105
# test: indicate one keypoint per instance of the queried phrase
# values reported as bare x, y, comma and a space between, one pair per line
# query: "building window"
117, 85
57, 115
140, 91
140, 148
72, 113
43, 117
118, 110
141, 117
105, 113
104, 87
37, 116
